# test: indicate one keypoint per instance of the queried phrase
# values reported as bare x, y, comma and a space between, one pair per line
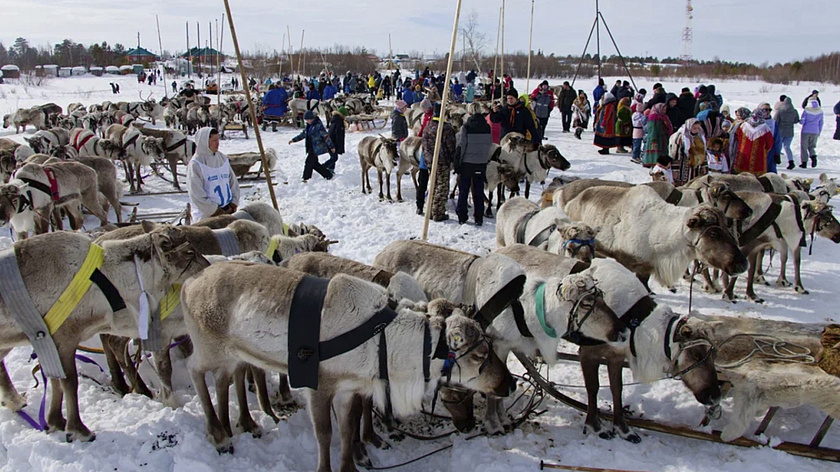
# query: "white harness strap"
143, 321
16, 297
227, 241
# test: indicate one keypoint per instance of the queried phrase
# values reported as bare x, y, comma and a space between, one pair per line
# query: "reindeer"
139, 150
382, 154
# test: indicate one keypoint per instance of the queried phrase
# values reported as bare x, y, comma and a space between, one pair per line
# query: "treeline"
67, 53
263, 63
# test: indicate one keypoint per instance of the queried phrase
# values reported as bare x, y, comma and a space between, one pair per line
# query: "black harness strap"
766, 184
519, 318
635, 316
131, 141
359, 335
37, 185
674, 197
542, 236
178, 144
383, 278
108, 289
522, 225
765, 221
797, 212
668, 336
305, 330
509, 294
427, 352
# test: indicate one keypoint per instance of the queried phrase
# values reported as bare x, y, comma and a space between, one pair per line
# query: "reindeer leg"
74, 428
364, 171
262, 393
759, 278
360, 455
369, 435
589, 365
163, 365
388, 186
379, 178
215, 431
129, 174
782, 281
320, 403
527, 188
754, 261
121, 344
284, 391
245, 422
223, 378
114, 368
347, 427
797, 280
710, 284
614, 369
138, 178
729, 292
55, 417
488, 212
9, 396
173, 168
399, 187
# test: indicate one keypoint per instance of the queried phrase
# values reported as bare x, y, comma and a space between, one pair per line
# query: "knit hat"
657, 85
400, 104
511, 92
343, 110
544, 82
426, 105
309, 115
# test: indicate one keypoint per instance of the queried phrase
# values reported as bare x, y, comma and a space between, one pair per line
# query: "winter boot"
604, 151
578, 132
790, 165
814, 160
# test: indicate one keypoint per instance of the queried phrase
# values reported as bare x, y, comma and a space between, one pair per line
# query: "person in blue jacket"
599, 91
313, 94
274, 101
329, 91
408, 96
318, 142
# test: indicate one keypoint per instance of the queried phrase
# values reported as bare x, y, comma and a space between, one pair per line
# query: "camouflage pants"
441, 194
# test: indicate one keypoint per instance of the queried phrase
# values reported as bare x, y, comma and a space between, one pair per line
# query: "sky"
754, 31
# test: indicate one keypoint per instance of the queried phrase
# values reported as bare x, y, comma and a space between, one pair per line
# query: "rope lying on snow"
770, 348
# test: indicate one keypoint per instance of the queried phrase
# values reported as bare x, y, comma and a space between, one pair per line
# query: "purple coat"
812, 122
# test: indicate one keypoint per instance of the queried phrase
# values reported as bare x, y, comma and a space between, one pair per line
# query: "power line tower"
688, 34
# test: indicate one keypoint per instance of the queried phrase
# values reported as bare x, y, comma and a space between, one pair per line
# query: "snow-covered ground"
138, 434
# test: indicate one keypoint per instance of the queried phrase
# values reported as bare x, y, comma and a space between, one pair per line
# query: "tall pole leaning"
496, 58
503, 50
530, 39
443, 101
160, 45
251, 109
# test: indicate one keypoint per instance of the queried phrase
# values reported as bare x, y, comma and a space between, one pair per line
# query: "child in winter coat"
336, 130
317, 142
661, 171
639, 121
718, 163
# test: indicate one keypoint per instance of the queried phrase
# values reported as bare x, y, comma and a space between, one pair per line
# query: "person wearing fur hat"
659, 96
318, 142
515, 117
399, 126
754, 141
336, 130
446, 157
605, 119
582, 110
543, 99
564, 103
812, 125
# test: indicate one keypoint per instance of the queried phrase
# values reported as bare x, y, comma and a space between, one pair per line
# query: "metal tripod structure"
596, 28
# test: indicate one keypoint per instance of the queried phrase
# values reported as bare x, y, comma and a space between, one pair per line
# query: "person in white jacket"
212, 185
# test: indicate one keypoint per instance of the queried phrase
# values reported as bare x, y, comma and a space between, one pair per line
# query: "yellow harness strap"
74, 292
272, 248
286, 227
170, 301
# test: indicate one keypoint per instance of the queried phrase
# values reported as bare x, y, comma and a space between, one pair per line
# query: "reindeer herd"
252, 295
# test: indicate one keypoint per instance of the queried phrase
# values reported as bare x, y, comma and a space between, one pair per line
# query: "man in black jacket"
474, 142
815, 95
515, 117
564, 103
336, 130
685, 102
658, 96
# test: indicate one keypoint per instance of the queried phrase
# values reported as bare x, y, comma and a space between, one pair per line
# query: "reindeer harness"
40, 328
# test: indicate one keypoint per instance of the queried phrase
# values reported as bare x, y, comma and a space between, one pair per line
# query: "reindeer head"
7, 121
510, 176
473, 363
578, 241
712, 242
8, 164
35, 143
153, 147
723, 198
113, 149
175, 254
587, 315
693, 359
12, 200
819, 219
553, 157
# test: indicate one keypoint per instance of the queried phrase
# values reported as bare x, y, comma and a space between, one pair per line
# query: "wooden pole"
578, 468
198, 47
219, 35
496, 58
443, 101
189, 52
251, 108
300, 53
282, 47
160, 45
390, 53
503, 50
530, 39
291, 59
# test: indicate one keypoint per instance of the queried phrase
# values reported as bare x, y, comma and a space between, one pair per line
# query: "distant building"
141, 55
10, 71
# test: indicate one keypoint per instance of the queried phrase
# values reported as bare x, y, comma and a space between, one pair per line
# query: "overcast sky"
738, 30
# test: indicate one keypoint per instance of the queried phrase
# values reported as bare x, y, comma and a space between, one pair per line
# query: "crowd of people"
680, 137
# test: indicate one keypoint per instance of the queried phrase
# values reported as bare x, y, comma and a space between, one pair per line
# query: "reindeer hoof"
783, 283
757, 300
228, 449
608, 435
802, 290
81, 436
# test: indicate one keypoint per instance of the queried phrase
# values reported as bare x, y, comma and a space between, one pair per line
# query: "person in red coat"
605, 119
755, 139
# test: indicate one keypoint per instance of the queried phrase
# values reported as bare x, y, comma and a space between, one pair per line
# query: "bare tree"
474, 37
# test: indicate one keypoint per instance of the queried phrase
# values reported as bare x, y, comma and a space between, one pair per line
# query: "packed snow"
135, 433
